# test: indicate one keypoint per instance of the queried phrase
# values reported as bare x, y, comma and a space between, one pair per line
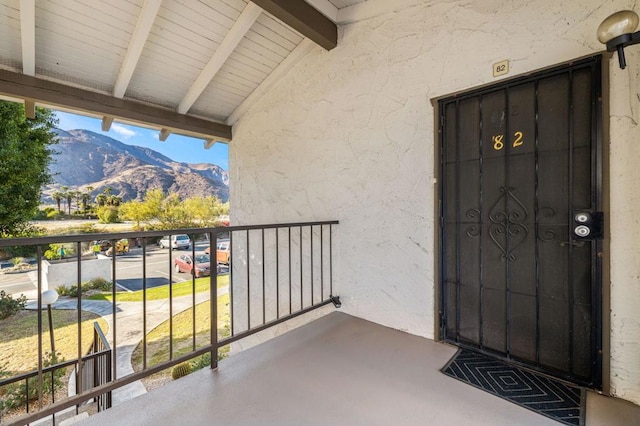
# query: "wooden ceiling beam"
246, 19
164, 134
54, 94
138, 39
107, 121
305, 19
28, 36
30, 108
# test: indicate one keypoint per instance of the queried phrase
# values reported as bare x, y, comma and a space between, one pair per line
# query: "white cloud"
123, 131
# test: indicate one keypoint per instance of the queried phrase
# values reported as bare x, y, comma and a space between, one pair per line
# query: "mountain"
83, 158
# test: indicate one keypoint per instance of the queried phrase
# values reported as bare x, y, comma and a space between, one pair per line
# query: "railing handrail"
75, 238
98, 331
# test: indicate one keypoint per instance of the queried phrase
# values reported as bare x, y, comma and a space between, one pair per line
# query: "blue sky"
178, 148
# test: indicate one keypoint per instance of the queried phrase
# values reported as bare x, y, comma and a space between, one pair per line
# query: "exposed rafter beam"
228, 45
136, 44
304, 18
56, 94
107, 121
326, 8
208, 143
30, 108
280, 71
164, 134
28, 36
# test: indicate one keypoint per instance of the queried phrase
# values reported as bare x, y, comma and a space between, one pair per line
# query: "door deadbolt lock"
587, 225
582, 231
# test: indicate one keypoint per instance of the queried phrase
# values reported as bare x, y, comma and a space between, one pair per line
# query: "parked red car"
184, 263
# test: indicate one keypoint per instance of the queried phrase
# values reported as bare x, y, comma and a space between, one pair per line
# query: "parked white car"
179, 241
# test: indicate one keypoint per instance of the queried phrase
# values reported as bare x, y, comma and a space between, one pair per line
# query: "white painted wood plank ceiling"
200, 58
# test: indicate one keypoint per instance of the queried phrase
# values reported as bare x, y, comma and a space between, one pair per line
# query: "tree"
101, 200
25, 153
65, 196
57, 196
205, 209
136, 211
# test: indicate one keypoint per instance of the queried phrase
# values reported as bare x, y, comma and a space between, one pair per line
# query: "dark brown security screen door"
518, 159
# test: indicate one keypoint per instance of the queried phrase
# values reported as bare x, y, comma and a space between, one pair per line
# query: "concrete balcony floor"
337, 370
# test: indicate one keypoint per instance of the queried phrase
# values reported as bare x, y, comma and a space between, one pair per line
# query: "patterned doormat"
539, 393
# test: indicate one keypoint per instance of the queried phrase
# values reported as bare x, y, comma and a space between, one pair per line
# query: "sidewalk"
129, 329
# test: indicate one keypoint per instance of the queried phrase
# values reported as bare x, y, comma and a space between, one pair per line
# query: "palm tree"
69, 196
85, 197
114, 200
65, 196
57, 196
77, 195
101, 199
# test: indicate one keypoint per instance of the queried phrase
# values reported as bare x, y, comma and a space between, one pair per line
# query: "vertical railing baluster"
193, 292
277, 273
321, 262
113, 307
26, 387
144, 303
264, 296
170, 300
301, 278
248, 282
331, 260
213, 297
40, 378
290, 276
231, 256
79, 365
311, 255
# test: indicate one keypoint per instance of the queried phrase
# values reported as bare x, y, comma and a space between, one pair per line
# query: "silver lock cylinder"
582, 218
582, 231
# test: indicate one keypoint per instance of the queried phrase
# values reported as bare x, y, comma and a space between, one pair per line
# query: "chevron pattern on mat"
536, 392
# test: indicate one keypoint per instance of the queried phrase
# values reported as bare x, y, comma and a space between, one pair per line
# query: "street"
129, 271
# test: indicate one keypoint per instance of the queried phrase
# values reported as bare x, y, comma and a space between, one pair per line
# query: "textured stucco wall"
624, 190
349, 135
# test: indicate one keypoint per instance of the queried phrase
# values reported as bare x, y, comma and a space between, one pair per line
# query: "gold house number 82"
498, 143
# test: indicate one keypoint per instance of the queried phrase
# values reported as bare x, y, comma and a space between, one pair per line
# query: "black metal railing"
29, 388
257, 277
95, 369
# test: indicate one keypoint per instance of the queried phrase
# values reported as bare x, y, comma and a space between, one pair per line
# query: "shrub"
54, 214
10, 306
94, 284
205, 361
108, 214
17, 260
58, 251
181, 370
15, 395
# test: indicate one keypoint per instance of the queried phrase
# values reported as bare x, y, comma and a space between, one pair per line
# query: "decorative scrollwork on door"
507, 229
473, 231
546, 234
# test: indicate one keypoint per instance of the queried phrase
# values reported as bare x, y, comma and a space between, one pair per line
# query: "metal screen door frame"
593, 64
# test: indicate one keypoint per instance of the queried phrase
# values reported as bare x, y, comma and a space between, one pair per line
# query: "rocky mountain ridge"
83, 158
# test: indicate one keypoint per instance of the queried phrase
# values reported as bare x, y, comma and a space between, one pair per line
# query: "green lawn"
158, 338
162, 292
19, 337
